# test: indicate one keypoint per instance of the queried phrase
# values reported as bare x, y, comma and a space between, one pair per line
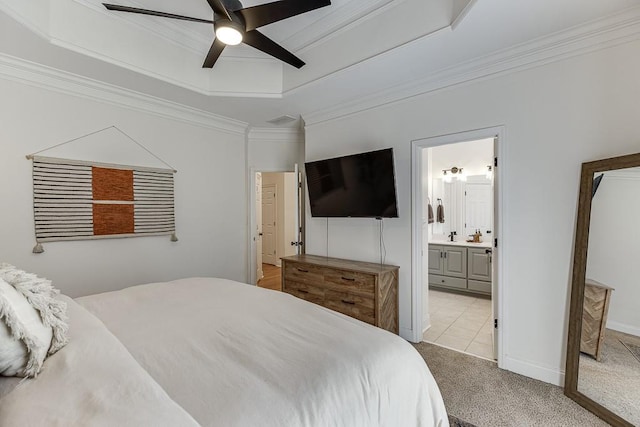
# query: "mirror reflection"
609, 366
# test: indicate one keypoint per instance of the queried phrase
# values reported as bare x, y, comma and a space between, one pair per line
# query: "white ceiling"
356, 50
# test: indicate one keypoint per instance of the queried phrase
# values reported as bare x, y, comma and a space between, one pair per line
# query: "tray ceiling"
358, 52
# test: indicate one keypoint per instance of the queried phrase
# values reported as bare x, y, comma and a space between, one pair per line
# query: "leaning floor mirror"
603, 347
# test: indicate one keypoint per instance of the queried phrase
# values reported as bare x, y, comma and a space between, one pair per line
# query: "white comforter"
93, 381
221, 353
235, 355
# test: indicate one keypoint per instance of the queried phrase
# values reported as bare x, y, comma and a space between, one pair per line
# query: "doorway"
456, 226
276, 225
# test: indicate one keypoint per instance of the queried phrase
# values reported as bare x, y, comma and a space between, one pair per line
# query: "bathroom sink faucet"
452, 235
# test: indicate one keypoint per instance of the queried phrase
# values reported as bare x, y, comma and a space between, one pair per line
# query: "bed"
215, 352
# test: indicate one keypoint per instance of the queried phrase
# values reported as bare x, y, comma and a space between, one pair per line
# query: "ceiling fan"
234, 24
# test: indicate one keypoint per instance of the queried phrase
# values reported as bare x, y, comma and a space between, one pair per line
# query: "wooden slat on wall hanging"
78, 200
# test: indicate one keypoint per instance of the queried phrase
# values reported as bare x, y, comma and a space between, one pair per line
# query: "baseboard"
426, 324
621, 327
531, 370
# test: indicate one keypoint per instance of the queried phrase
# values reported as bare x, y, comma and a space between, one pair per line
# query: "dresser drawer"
303, 273
350, 280
351, 304
449, 282
305, 291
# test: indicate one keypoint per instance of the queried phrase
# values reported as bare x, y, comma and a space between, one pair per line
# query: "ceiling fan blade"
219, 9
153, 13
257, 16
261, 42
214, 53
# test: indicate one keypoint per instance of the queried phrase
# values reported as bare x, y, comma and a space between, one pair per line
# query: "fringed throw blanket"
78, 200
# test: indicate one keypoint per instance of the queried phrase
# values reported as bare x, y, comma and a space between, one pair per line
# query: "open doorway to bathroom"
458, 237
277, 207
456, 224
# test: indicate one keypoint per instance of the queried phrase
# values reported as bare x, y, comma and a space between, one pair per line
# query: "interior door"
269, 224
258, 195
493, 257
298, 217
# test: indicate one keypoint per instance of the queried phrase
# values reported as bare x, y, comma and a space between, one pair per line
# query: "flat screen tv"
360, 186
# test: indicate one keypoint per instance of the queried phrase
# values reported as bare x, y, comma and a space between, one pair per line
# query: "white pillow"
44, 298
24, 339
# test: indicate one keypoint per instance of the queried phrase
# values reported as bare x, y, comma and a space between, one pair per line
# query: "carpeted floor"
614, 382
476, 391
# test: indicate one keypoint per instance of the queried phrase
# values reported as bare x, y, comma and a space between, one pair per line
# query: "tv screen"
361, 185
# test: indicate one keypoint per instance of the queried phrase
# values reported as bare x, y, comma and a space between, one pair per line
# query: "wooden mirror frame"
589, 169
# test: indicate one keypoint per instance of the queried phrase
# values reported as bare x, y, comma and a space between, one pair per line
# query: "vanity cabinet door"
479, 264
436, 259
455, 261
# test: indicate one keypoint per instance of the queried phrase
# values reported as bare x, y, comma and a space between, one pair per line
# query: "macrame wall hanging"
82, 200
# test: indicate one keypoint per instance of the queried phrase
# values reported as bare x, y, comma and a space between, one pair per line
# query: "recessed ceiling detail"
388, 50
169, 50
234, 24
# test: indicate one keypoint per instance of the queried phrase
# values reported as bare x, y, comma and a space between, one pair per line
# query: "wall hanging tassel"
174, 238
38, 249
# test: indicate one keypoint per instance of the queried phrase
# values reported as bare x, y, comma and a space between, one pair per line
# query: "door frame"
252, 234
499, 255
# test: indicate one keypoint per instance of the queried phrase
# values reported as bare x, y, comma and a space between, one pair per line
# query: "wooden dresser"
363, 290
594, 317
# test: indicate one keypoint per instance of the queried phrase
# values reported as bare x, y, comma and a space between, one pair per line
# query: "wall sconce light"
454, 172
489, 172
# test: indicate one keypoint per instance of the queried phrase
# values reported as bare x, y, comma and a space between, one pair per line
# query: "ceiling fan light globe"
228, 35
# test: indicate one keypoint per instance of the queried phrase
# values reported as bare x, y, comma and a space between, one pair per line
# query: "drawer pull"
348, 302
302, 270
302, 291
348, 279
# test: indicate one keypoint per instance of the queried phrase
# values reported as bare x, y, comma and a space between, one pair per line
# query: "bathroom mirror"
603, 347
468, 206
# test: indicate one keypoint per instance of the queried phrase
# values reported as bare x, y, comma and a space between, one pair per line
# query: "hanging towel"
429, 212
440, 213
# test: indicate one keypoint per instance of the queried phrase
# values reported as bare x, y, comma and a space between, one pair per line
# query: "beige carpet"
614, 382
476, 391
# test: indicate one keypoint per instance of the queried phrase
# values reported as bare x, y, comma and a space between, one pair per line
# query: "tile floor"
461, 322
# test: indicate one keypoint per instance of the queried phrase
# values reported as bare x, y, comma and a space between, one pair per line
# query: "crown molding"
313, 34
336, 20
607, 32
195, 42
157, 30
22, 20
167, 30
162, 77
290, 135
38, 75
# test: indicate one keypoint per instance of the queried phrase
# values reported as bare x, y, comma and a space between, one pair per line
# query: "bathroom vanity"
460, 266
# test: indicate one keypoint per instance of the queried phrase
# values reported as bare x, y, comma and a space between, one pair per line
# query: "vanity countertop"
484, 244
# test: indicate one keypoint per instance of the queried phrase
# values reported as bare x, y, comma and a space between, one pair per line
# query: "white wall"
472, 156
613, 247
275, 150
556, 116
210, 193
